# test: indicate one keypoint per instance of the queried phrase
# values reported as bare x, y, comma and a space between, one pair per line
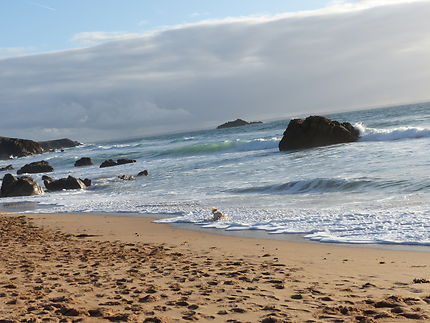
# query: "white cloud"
15, 51
95, 37
190, 76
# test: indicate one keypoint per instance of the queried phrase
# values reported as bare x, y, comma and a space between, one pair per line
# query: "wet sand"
99, 268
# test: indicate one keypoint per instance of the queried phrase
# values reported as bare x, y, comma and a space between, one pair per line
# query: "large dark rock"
84, 161
58, 144
110, 162
236, 123
18, 147
19, 186
316, 131
69, 183
36, 167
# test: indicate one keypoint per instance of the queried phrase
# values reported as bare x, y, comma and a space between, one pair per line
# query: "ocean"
376, 190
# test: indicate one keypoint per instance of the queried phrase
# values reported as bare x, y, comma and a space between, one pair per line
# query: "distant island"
237, 123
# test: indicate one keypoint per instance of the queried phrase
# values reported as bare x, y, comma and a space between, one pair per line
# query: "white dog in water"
217, 215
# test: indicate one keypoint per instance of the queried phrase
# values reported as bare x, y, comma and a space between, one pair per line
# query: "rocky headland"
16, 147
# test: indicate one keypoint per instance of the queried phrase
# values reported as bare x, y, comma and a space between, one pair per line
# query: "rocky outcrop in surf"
316, 131
19, 186
237, 123
69, 183
36, 167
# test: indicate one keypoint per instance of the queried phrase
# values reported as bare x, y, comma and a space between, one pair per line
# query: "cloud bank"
196, 76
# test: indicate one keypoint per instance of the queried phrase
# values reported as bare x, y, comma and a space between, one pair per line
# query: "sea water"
376, 190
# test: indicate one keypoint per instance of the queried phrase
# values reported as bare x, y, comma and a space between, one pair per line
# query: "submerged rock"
316, 131
127, 177
237, 123
84, 161
69, 183
8, 167
19, 186
36, 167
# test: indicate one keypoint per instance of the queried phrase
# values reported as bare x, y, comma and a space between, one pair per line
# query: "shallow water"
376, 190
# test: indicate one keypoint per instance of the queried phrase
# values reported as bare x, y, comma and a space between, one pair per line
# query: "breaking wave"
400, 133
316, 185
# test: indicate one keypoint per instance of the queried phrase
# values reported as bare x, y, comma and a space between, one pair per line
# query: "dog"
217, 215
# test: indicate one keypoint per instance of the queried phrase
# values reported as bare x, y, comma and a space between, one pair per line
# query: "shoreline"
119, 268
34, 207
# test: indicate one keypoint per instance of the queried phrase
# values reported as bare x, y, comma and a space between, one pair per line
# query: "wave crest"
225, 146
315, 185
393, 134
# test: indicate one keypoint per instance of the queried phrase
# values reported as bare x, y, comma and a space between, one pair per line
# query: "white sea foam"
391, 134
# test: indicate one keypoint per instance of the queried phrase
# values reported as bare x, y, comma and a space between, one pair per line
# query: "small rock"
95, 313
8, 167
84, 161
143, 173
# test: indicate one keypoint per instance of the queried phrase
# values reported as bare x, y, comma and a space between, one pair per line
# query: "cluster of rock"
26, 185
317, 131
15, 147
237, 123
314, 131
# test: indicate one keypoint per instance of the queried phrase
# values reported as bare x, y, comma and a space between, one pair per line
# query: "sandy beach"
98, 268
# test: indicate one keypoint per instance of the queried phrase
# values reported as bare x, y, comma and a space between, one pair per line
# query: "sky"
105, 69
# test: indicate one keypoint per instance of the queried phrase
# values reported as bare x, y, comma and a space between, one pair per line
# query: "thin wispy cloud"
199, 14
39, 5
143, 23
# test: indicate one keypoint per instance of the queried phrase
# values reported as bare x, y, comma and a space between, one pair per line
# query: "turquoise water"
376, 190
